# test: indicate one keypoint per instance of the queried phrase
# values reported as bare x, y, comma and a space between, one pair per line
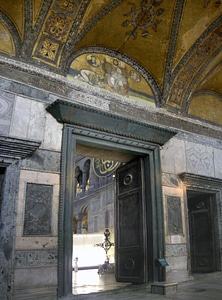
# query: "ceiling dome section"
159, 52
6, 41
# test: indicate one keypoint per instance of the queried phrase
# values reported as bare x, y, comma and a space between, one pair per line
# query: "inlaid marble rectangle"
38, 209
174, 212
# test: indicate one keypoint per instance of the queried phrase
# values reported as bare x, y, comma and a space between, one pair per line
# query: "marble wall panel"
180, 275
38, 209
218, 163
36, 121
21, 118
28, 119
7, 101
37, 242
32, 277
43, 160
174, 213
177, 270
177, 263
199, 159
53, 134
173, 159
169, 194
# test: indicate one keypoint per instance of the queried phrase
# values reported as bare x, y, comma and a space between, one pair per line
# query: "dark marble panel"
38, 209
175, 225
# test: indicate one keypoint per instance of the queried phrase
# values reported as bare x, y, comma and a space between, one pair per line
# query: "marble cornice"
193, 180
15, 148
89, 117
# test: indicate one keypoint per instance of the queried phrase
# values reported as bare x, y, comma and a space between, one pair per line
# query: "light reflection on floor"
88, 281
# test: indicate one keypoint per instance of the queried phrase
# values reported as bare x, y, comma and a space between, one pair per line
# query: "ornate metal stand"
106, 245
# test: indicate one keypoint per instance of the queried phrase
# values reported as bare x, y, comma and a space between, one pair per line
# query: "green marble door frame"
100, 129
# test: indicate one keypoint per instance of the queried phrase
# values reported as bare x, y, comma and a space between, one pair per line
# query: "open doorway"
138, 231
95, 220
202, 228
97, 129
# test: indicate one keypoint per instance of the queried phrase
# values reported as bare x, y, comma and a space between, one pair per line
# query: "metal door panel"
130, 216
201, 235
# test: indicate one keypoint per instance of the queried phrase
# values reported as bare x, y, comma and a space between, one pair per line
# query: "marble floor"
202, 287
88, 281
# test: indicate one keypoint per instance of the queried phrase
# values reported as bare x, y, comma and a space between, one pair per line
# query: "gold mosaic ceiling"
167, 52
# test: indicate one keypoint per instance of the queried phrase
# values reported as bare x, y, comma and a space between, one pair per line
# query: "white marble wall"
31, 120
195, 155
199, 157
36, 268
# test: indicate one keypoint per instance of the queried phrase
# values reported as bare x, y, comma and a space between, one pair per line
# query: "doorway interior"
93, 217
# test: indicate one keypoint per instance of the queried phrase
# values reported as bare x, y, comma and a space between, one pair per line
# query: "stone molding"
201, 182
81, 115
15, 148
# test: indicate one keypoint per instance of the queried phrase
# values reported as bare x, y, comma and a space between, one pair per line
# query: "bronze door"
201, 234
130, 229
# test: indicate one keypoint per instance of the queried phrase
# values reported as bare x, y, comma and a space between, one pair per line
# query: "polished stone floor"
88, 281
202, 287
